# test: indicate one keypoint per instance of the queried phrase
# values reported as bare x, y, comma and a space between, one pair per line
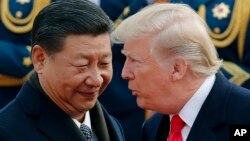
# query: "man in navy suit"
72, 59
172, 68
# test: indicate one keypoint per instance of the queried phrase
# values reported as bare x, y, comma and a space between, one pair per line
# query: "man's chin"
140, 103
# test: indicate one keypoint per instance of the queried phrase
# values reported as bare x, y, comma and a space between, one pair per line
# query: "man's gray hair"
176, 30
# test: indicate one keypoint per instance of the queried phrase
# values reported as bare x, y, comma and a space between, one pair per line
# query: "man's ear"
39, 56
180, 68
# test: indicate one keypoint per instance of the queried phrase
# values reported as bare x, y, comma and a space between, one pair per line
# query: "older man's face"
148, 81
77, 75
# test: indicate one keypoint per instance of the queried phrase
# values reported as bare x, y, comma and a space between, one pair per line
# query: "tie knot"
86, 132
177, 123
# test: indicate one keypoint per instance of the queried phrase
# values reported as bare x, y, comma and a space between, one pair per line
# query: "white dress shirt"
86, 120
191, 109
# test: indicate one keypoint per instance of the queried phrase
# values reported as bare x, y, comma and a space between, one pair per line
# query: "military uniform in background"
117, 98
16, 21
229, 27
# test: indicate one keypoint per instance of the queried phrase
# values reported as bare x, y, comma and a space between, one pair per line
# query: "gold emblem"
239, 75
19, 14
217, 30
221, 11
126, 11
27, 61
23, 1
18, 23
28, 48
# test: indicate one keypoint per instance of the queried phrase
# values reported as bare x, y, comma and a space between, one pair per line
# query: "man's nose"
127, 72
95, 79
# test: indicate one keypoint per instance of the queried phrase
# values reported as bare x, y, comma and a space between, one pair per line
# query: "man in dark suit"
71, 54
173, 68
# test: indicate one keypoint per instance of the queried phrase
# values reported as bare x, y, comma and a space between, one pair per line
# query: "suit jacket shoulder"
33, 116
115, 128
226, 104
156, 128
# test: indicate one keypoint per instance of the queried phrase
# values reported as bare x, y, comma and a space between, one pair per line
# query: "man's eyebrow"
81, 56
130, 54
107, 54
86, 56
126, 53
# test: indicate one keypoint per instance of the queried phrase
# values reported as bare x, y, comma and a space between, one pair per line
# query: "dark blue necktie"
86, 132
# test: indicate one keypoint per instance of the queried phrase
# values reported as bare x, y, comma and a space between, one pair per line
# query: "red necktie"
175, 128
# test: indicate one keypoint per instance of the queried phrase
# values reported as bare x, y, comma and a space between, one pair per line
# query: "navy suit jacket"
32, 116
225, 105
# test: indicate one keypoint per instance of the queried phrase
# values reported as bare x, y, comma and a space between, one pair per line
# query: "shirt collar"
87, 120
191, 109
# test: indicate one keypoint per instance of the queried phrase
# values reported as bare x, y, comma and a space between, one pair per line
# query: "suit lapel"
98, 122
55, 124
156, 128
201, 131
212, 116
163, 130
114, 127
50, 120
106, 127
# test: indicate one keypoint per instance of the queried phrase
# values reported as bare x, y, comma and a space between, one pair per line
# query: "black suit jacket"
225, 105
32, 116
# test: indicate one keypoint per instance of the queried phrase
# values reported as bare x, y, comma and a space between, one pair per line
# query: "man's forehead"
89, 54
140, 55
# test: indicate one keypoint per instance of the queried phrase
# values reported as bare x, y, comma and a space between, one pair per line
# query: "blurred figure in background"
15, 64
229, 28
117, 98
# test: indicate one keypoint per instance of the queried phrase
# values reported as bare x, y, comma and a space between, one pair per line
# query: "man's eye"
133, 60
81, 66
104, 64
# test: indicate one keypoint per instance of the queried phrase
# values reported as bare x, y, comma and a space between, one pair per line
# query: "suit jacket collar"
163, 130
106, 127
54, 123
98, 122
114, 127
212, 115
